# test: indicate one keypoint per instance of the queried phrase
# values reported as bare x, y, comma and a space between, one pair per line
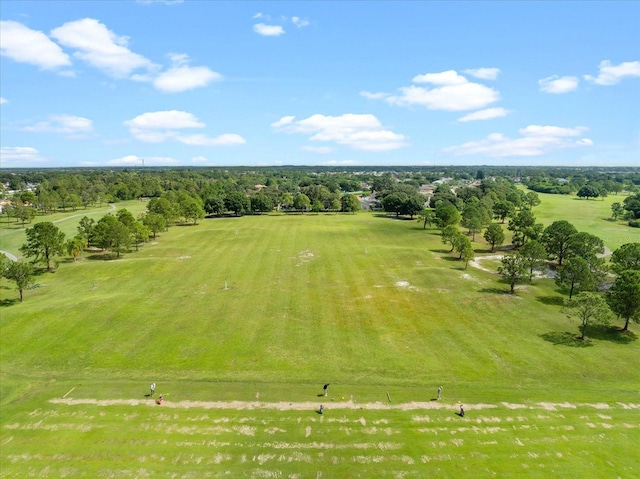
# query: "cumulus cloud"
358, 132
268, 30
299, 22
21, 156
101, 48
535, 140
24, 45
159, 126
483, 73
70, 125
228, 139
487, 114
451, 92
611, 74
556, 84
182, 77
3, 100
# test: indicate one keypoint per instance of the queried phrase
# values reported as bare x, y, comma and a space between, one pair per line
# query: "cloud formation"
268, 30
451, 92
611, 74
535, 140
556, 84
160, 126
182, 77
483, 73
356, 131
20, 156
101, 48
69, 125
24, 45
487, 114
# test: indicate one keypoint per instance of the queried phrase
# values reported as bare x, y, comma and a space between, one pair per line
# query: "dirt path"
313, 405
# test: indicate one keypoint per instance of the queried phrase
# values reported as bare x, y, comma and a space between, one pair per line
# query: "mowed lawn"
269, 308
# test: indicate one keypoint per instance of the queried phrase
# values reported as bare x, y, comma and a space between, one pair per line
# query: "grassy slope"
309, 299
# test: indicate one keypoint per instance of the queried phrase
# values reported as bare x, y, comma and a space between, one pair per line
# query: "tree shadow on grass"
102, 257
504, 291
8, 302
551, 300
565, 338
611, 333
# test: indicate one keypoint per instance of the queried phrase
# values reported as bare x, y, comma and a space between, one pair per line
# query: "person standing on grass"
439, 392
326, 388
461, 410
321, 410
153, 389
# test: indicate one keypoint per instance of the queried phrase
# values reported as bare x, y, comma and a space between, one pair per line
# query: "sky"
213, 83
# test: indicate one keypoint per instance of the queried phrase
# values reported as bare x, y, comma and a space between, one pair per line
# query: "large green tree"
349, 203
154, 222
534, 256
514, 270
624, 296
626, 257
44, 242
575, 275
494, 235
20, 273
555, 239
588, 308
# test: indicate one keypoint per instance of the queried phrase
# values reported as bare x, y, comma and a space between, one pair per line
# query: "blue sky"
204, 83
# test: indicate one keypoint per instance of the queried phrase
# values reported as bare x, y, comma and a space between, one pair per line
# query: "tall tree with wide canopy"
555, 239
575, 275
494, 235
534, 256
624, 296
447, 214
513, 270
20, 273
626, 257
44, 242
588, 308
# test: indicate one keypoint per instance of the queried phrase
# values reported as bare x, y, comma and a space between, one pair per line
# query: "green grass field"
240, 321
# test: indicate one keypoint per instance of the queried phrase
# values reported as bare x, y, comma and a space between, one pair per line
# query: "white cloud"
299, 22
373, 96
466, 96
487, 114
100, 47
452, 92
3, 100
483, 73
322, 150
24, 45
228, 139
268, 30
159, 126
70, 125
535, 140
258, 15
450, 77
612, 74
359, 132
181, 77
20, 156
556, 84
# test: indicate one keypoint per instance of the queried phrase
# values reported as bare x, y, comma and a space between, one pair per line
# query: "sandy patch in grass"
184, 257
280, 406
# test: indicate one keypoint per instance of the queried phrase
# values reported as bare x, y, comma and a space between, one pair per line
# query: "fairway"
240, 321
